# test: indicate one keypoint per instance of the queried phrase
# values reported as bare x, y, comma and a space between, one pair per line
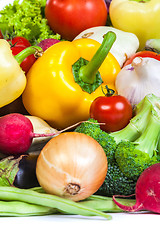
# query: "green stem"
88, 72
37, 51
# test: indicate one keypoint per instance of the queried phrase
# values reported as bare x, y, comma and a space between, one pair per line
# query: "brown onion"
72, 165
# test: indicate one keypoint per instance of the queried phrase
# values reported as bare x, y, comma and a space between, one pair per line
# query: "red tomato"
19, 41
1, 35
70, 17
115, 111
17, 45
143, 54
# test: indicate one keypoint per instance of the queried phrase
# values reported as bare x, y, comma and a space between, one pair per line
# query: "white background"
122, 226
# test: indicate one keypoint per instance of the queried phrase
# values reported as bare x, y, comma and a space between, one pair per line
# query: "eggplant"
26, 175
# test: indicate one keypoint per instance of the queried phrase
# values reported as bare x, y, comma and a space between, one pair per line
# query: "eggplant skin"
26, 175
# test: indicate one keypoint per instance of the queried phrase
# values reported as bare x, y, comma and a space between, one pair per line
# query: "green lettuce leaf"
26, 19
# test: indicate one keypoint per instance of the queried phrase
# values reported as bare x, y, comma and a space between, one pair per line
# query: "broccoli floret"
118, 179
131, 132
132, 161
134, 157
116, 183
92, 129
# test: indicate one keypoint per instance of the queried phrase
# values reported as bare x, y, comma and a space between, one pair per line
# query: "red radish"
46, 43
147, 191
16, 134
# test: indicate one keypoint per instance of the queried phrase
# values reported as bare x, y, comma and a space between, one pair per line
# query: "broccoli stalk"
134, 157
139, 122
148, 141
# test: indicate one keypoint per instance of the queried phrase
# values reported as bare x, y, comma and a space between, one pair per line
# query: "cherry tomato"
1, 35
17, 45
70, 17
115, 111
19, 41
143, 54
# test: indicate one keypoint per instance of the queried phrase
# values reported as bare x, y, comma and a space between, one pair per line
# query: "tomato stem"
37, 51
109, 92
88, 72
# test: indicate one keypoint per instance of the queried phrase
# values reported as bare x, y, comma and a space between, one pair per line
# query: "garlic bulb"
138, 79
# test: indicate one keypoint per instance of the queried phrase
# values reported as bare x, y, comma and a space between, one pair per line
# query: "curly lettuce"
26, 19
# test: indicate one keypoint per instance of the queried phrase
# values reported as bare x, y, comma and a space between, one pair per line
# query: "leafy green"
26, 19
9, 167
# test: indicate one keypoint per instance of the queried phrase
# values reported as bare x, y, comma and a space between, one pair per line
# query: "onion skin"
72, 165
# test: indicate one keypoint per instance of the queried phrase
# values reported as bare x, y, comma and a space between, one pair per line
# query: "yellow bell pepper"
12, 77
52, 92
139, 17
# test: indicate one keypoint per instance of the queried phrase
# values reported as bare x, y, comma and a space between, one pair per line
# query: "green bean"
100, 203
48, 200
105, 204
19, 209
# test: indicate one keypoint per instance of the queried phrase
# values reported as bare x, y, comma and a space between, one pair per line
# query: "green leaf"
26, 19
9, 167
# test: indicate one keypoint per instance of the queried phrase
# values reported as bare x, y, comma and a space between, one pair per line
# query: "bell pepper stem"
88, 72
37, 51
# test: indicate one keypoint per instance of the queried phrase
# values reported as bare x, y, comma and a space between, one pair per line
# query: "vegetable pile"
79, 107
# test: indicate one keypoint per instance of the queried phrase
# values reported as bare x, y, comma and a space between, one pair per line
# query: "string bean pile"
29, 202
